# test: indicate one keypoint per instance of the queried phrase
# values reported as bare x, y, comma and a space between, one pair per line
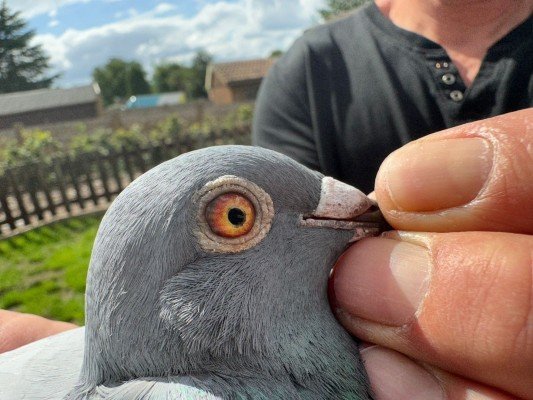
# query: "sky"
80, 35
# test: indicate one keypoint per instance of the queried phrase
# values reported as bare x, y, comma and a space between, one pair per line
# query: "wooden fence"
42, 192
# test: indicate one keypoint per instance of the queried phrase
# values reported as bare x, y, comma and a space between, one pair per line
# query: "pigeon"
208, 280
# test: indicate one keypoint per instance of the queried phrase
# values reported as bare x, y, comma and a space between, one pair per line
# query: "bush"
243, 115
34, 145
170, 128
39, 145
98, 141
104, 141
128, 138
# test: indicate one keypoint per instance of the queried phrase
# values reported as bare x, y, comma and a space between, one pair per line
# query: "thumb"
472, 177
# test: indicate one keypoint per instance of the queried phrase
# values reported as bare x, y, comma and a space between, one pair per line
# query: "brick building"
237, 81
43, 106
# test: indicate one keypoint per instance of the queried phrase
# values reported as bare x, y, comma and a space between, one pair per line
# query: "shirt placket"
447, 78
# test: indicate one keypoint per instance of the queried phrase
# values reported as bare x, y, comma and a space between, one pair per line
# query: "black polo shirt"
350, 92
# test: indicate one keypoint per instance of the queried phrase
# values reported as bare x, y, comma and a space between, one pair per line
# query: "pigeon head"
216, 262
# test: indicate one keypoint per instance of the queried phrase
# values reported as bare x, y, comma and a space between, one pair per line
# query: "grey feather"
168, 318
46, 369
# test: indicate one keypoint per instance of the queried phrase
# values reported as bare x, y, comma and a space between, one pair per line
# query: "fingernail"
382, 280
396, 377
436, 175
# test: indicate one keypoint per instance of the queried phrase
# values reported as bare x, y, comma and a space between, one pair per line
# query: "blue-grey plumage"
177, 308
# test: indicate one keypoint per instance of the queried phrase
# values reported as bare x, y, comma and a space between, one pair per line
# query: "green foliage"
338, 7
169, 78
128, 138
204, 127
136, 79
34, 145
119, 79
22, 66
198, 69
172, 77
98, 141
43, 271
170, 128
104, 141
39, 145
243, 115
276, 53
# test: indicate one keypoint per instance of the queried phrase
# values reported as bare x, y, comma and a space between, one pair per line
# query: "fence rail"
42, 192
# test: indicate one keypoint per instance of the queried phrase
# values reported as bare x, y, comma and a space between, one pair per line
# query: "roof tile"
238, 71
42, 99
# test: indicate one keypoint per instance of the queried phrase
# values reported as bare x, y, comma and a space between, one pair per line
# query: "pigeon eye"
230, 215
234, 214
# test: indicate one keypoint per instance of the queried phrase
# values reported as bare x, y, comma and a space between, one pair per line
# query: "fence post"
18, 196
61, 183
86, 162
75, 182
103, 176
4, 203
45, 187
28, 173
139, 151
127, 162
113, 162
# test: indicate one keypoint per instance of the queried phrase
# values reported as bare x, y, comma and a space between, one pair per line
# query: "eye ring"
259, 199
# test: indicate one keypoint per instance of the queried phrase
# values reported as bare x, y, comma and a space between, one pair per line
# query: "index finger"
476, 176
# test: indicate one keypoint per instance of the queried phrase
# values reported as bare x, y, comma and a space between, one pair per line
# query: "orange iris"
230, 215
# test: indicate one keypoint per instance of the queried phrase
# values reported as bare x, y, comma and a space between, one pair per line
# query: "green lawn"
43, 271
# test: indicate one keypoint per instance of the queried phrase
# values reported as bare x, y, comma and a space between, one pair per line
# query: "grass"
43, 271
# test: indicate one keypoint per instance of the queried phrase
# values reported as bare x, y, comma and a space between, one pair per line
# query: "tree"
136, 80
338, 7
119, 79
168, 77
173, 77
112, 80
196, 80
22, 65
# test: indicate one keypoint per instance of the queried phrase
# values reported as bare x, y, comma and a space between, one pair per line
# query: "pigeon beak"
342, 206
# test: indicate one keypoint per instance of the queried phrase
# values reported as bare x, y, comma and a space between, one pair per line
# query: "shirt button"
448, 79
456, 95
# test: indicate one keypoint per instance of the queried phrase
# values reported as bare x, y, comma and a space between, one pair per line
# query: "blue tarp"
154, 100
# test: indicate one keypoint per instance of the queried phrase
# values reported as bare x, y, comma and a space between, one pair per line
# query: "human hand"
17, 329
451, 313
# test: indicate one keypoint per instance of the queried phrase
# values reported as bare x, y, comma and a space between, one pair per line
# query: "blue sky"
82, 34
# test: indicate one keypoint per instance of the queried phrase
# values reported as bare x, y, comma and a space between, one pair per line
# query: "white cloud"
229, 30
53, 23
56, 50
163, 8
132, 12
32, 8
310, 7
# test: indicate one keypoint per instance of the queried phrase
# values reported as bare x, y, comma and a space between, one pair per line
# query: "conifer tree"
22, 65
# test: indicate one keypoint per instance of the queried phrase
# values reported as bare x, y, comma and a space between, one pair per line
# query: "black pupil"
236, 216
